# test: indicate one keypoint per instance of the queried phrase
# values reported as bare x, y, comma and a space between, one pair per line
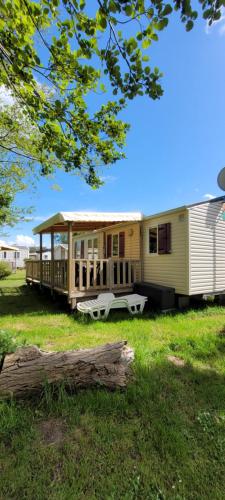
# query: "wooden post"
110, 280
41, 249
70, 273
52, 263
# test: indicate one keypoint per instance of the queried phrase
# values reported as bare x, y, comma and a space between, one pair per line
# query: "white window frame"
89, 253
148, 234
117, 236
77, 250
93, 248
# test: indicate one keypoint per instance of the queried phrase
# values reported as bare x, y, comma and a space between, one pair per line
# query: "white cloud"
220, 22
222, 28
23, 240
6, 97
208, 196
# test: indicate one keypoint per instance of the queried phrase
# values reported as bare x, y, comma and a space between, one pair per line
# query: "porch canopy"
84, 221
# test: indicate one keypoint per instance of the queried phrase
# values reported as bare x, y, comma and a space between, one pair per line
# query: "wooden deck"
87, 277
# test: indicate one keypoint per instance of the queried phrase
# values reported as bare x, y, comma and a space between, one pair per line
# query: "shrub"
7, 344
5, 270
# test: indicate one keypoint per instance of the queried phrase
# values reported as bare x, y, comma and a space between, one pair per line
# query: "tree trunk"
27, 370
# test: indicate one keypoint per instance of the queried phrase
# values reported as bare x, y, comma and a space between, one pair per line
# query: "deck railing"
87, 275
33, 269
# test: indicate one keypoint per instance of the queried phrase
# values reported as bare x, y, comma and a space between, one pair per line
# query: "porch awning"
85, 221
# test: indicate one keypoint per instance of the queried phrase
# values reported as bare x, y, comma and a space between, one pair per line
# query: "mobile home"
182, 249
15, 255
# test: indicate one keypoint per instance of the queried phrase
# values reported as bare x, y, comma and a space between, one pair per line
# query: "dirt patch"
52, 430
176, 361
222, 332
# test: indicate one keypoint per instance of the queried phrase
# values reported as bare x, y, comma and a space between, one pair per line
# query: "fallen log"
28, 369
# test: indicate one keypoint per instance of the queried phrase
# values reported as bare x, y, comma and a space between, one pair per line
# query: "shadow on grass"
149, 313
28, 300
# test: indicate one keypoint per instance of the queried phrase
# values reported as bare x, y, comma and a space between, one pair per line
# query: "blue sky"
176, 145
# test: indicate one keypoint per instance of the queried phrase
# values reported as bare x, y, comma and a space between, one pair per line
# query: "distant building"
60, 252
15, 255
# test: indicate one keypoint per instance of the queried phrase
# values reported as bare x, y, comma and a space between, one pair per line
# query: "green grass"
161, 438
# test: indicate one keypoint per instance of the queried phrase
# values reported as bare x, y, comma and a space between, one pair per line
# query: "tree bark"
27, 370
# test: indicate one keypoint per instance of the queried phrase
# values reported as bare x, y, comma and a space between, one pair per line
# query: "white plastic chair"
135, 303
99, 308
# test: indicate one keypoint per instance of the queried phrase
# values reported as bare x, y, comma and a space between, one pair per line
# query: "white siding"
172, 269
207, 248
13, 258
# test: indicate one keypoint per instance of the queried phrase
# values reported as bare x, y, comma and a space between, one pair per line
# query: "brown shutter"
109, 246
104, 246
164, 238
122, 244
82, 249
168, 237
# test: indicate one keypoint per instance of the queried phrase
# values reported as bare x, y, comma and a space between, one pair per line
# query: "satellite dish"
221, 179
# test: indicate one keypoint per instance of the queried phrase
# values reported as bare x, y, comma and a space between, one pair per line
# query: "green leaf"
189, 25
167, 10
112, 6
128, 10
145, 44
102, 87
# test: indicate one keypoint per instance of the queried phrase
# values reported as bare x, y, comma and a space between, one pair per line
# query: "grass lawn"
162, 438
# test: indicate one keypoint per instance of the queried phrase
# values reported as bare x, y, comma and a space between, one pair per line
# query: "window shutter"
82, 249
109, 246
122, 244
168, 237
104, 246
164, 238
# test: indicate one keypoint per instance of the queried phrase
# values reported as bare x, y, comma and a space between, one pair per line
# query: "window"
16, 255
82, 249
93, 248
4, 255
77, 249
86, 249
90, 249
160, 239
115, 245
153, 240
